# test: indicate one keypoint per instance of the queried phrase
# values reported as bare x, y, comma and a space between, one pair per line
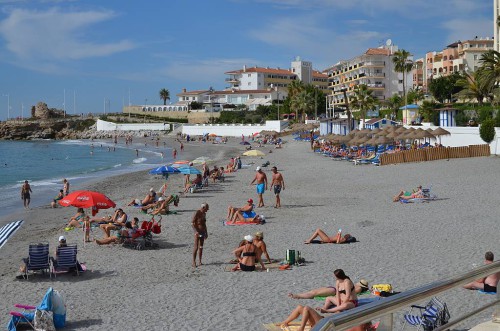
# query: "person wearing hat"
248, 255
361, 286
234, 213
258, 241
161, 207
261, 180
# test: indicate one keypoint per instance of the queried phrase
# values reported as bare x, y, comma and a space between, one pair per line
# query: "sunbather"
359, 287
248, 255
405, 195
234, 213
128, 232
117, 221
346, 297
77, 220
148, 199
198, 181
309, 316
337, 239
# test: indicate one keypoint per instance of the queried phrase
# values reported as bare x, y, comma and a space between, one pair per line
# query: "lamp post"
211, 90
277, 98
8, 105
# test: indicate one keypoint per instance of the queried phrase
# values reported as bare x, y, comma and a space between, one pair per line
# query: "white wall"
232, 130
464, 136
110, 126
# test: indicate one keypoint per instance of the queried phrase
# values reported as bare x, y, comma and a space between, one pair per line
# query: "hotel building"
373, 68
456, 57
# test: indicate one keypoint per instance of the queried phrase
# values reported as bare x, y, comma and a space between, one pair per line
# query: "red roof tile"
262, 70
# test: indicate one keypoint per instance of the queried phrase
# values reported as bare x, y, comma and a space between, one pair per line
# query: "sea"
45, 163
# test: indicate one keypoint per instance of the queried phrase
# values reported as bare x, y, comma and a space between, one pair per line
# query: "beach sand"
406, 245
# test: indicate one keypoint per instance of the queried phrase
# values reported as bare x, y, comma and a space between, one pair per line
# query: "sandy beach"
406, 245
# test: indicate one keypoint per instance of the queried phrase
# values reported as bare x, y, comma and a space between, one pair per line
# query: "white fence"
232, 130
464, 136
110, 126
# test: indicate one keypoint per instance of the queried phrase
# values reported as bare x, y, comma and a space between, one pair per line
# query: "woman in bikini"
346, 297
77, 220
336, 239
247, 255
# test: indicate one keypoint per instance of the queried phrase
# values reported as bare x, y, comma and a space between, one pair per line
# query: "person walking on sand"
65, 187
487, 284
261, 180
174, 153
182, 147
199, 225
277, 184
26, 194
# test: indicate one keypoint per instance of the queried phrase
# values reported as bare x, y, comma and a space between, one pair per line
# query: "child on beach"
86, 227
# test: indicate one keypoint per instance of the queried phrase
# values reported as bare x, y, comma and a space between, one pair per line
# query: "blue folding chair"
432, 315
65, 259
38, 258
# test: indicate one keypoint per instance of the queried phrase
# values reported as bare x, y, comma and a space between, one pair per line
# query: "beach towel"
242, 223
291, 326
484, 292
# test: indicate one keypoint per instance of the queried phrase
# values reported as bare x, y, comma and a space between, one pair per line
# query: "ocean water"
45, 163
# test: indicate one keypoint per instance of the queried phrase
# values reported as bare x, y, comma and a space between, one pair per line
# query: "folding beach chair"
432, 315
65, 259
38, 258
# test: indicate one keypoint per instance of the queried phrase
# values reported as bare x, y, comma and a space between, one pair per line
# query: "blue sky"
101, 50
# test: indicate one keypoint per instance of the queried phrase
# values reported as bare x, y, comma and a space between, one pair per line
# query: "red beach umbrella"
87, 199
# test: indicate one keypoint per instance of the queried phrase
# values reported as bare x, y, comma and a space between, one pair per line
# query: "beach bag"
156, 228
43, 321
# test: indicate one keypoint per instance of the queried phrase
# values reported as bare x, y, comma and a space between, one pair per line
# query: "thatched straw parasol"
383, 140
377, 130
401, 129
440, 132
391, 135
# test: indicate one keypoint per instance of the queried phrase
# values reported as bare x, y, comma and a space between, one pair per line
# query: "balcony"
374, 64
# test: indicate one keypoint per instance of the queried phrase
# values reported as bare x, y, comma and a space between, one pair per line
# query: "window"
400, 81
475, 57
249, 84
249, 75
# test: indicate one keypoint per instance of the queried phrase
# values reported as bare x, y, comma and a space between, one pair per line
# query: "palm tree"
164, 95
363, 100
474, 86
402, 64
303, 103
394, 103
490, 67
294, 89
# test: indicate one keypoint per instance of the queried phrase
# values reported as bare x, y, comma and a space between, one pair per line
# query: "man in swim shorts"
277, 184
199, 224
487, 284
261, 180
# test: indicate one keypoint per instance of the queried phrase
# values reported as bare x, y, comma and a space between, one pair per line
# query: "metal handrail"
374, 310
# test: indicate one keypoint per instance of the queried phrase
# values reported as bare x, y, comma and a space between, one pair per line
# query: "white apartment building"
374, 68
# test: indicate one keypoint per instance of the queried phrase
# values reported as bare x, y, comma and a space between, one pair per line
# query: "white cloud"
56, 35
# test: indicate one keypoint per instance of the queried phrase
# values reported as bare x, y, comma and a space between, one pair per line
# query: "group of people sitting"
155, 203
249, 253
341, 297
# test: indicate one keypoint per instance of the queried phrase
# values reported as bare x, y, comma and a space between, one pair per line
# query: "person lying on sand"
409, 195
234, 213
359, 287
148, 199
337, 239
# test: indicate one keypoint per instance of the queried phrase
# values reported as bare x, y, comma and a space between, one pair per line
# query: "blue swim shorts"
260, 188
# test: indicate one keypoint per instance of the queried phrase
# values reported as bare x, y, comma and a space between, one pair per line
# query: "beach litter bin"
290, 256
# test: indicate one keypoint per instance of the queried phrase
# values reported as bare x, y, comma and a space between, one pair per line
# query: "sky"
95, 56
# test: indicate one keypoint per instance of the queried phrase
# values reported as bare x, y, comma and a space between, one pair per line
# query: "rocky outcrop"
46, 129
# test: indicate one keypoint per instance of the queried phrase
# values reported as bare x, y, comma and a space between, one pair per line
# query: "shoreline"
449, 235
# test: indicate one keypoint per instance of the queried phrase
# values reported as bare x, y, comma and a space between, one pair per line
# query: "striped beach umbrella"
8, 230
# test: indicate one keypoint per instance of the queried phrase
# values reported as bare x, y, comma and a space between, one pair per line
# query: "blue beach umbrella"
163, 170
189, 171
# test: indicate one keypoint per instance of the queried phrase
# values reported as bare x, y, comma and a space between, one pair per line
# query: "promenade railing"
384, 309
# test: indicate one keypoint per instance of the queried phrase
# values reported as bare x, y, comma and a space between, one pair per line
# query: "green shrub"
461, 119
487, 130
497, 119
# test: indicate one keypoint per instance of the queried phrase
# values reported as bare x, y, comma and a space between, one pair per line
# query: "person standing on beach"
199, 225
174, 153
65, 187
26, 194
278, 184
261, 179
